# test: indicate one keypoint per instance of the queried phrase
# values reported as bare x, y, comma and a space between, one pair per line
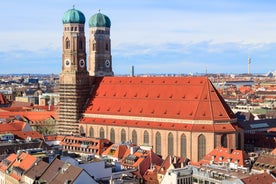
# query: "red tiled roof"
54, 137
21, 104
220, 154
189, 98
15, 176
3, 99
11, 158
116, 151
13, 126
221, 127
263, 178
30, 115
24, 135
144, 159
273, 151
93, 143
24, 161
150, 176
169, 160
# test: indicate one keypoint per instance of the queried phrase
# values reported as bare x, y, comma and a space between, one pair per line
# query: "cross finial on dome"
99, 10
73, 6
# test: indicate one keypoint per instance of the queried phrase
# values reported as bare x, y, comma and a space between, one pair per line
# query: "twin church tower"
77, 75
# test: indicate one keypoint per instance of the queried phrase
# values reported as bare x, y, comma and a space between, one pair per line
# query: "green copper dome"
99, 20
73, 16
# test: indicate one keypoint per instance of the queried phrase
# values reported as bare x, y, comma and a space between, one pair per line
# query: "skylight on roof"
259, 125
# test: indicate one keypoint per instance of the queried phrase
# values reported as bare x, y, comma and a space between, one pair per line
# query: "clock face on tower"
107, 63
67, 62
82, 63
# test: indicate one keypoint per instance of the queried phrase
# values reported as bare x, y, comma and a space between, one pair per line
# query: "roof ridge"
198, 102
222, 102
210, 100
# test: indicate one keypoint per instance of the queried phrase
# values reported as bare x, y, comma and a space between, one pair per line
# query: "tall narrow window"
146, 137
183, 146
106, 47
94, 46
67, 43
112, 135
134, 136
80, 44
101, 133
201, 146
91, 132
224, 141
239, 141
82, 131
170, 144
158, 143
123, 135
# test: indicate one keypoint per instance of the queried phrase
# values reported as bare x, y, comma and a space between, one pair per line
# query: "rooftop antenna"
249, 62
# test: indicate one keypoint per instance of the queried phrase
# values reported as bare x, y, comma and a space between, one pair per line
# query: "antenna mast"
249, 62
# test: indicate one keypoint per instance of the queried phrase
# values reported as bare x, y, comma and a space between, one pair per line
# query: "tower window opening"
67, 43
76, 28
80, 44
94, 46
72, 28
106, 47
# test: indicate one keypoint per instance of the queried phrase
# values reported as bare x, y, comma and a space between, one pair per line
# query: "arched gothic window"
239, 141
106, 47
91, 132
201, 146
146, 137
112, 135
80, 44
101, 133
94, 46
67, 43
134, 137
158, 144
170, 144
123, 135
82, 131
223, 140
183, 145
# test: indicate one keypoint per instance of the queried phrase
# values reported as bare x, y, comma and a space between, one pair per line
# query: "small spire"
99, 10
73, 6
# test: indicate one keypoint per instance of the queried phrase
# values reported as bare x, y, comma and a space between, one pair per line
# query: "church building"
182, 116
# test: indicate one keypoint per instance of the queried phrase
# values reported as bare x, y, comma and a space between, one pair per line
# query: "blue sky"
176, 36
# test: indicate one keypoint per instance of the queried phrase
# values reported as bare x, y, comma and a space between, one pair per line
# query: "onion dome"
99, 20
73, 16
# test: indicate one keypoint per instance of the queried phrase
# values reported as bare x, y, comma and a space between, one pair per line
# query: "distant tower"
74, 77
100, 60
249, 62
132, 71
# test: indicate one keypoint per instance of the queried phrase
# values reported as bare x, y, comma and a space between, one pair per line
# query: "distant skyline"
177, 36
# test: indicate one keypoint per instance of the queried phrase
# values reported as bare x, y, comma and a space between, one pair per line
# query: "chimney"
131, 150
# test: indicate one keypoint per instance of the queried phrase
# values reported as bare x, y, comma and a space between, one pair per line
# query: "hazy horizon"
178, 37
